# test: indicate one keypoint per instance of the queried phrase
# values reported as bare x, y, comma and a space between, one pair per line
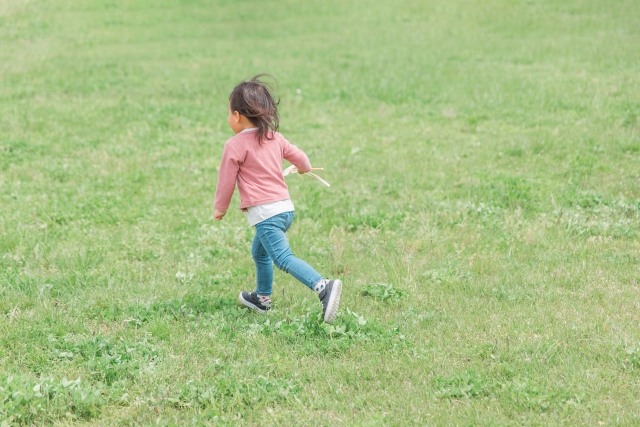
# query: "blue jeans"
270, 247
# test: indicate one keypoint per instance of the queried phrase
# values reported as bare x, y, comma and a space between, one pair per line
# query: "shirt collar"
248, 130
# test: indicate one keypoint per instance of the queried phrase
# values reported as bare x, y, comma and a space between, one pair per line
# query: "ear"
236, 116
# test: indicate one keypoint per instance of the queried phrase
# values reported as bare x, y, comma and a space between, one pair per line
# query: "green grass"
484, 213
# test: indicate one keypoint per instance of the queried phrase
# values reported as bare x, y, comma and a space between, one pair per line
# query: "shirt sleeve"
296, 156
227, 175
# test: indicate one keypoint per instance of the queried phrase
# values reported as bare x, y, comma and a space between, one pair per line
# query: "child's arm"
296, 156
227, 174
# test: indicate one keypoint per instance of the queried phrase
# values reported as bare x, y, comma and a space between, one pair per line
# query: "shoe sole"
334, 301
250, 304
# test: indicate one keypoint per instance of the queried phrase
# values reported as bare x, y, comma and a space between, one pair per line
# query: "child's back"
257, 168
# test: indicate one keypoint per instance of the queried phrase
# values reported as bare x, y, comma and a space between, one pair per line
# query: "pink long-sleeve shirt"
257, 169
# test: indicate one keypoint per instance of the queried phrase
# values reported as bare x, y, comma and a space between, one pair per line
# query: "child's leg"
272, 238
264, 267
269, 244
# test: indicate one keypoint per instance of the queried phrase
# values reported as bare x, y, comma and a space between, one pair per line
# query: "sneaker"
330, 298
252, 300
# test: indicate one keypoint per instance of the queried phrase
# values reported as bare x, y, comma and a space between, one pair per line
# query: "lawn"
484, 213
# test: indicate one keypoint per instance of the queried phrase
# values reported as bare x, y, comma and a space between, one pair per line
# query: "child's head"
254, 100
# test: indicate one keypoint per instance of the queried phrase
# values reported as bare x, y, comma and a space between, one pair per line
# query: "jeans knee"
260, 257
282, 262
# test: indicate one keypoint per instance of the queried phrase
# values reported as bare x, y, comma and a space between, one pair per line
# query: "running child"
253, 160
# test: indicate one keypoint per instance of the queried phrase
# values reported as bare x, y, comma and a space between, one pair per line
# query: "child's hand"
302, 172
218, 215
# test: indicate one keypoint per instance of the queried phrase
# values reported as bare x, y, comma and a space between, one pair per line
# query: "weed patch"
523, 394
228, 393
107, 359
467, 384
526, 395
506, 191
310, 335
633, 357
382, 291
26, 400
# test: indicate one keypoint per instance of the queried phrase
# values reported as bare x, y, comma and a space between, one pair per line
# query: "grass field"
484, 213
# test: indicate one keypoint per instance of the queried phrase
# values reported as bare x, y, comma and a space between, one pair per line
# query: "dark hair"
254, 100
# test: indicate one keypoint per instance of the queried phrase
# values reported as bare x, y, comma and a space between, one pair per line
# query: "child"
253, 160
